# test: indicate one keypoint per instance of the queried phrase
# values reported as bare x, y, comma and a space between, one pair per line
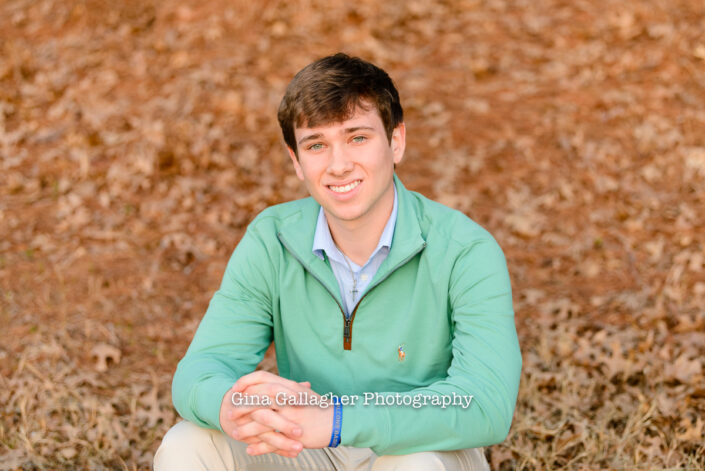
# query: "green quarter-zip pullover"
435, 322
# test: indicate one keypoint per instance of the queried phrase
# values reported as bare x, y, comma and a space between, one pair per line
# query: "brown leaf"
684, 370
103, 353
692, 432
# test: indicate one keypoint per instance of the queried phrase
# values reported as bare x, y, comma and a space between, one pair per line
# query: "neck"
358, 239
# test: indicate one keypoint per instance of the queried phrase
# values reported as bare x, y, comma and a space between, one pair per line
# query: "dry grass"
137, 139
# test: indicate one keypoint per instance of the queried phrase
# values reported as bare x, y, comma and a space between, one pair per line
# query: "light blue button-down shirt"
323, 245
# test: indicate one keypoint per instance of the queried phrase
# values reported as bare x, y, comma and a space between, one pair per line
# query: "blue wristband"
337, 422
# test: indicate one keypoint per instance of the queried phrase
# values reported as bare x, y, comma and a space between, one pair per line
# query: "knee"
182, 441
426, 461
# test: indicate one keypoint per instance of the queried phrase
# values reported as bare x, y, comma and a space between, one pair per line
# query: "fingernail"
297, 431
296, 447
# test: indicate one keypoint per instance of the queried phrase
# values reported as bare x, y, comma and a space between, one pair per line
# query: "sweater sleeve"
231, 338
486, 365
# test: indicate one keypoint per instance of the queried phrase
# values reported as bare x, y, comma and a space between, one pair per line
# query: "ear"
398, 142
297, 165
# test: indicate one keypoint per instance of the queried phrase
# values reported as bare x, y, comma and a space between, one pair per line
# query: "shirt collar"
323, 240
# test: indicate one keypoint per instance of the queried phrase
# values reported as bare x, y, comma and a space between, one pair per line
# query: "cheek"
310, 175
316, 169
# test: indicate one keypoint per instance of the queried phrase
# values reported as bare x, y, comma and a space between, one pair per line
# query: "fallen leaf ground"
138, 138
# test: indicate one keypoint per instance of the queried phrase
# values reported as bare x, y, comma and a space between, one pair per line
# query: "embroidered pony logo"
401, 354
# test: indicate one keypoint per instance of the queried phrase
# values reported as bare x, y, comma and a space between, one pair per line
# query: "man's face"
348, 167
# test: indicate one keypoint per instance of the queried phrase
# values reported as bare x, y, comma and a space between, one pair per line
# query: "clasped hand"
276, 427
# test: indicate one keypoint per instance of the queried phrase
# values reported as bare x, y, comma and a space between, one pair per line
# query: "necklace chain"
352, 275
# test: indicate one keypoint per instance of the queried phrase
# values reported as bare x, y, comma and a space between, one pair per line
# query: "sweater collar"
323, 242
298, 233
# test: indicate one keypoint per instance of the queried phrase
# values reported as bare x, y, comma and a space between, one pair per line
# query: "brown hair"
330, 89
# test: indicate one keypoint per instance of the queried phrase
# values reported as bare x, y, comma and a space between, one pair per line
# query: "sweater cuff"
207, 399
365, 426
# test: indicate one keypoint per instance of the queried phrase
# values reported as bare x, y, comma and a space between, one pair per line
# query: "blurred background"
139, 138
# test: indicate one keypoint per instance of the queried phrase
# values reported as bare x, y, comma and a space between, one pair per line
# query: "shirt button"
363, 277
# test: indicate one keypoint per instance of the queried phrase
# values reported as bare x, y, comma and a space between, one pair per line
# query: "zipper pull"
346, 329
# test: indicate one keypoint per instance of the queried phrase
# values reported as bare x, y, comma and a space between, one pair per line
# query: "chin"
345, 215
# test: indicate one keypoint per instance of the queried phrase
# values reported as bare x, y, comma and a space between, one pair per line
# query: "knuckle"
266, 448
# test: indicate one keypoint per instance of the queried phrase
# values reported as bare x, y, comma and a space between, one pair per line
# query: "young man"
396, 305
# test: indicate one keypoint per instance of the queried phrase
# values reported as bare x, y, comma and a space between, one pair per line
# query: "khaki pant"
189, 447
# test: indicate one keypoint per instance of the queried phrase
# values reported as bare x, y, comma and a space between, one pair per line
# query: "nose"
340, 162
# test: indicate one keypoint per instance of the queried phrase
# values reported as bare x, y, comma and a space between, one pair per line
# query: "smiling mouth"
345, 188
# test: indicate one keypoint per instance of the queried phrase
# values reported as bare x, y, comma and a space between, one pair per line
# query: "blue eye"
317, 146
359, 139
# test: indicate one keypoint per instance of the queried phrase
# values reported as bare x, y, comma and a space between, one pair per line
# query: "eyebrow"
314, 136
310, 137
357, 128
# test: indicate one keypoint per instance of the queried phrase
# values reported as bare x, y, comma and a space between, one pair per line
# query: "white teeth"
346, 188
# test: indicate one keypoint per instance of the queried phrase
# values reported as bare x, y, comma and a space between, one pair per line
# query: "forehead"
367, 117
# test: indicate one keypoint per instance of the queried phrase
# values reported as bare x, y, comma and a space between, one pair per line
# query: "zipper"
348, 321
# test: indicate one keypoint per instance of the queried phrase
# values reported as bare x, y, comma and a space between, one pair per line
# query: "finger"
241, 400
245, 419
235, 412
250, 435
285, 453
252, 440
266, 448
271, 420
272, 441
234, 419
249, 430
261, 421
255, 377
259, 377
271, 391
